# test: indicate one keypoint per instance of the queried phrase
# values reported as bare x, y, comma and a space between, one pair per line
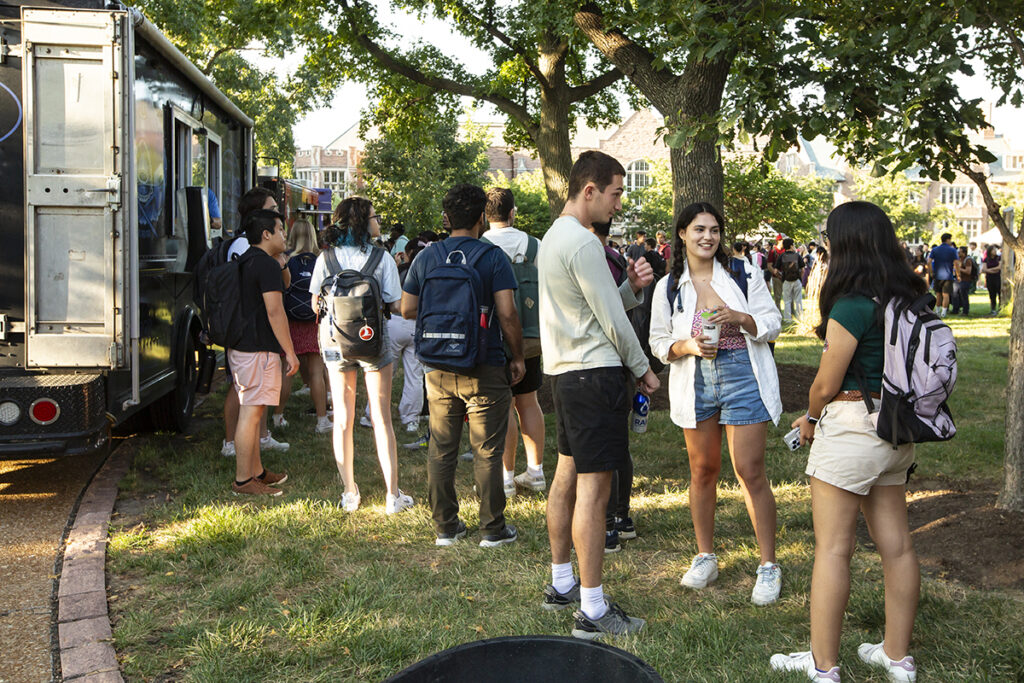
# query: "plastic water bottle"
641, 406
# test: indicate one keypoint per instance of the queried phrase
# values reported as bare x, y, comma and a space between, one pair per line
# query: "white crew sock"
592, 602
562, 578
509, 476
535, 472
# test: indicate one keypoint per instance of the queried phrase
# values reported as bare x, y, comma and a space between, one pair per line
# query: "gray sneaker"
555, 601
613, 623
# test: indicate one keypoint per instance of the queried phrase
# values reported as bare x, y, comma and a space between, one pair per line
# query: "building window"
638, 175
1014, 162
971, 227
957, 195
335, 181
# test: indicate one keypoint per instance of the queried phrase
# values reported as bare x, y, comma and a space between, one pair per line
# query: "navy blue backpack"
452, 322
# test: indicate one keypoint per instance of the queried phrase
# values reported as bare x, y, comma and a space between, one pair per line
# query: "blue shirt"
212, 204
942, 258
495, 274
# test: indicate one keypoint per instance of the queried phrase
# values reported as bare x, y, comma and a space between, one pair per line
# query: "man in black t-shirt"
256, 360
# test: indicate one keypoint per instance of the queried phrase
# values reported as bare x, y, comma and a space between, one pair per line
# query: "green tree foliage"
538, 71
900, 197
759, 200
217, 34
532, 214
406, 182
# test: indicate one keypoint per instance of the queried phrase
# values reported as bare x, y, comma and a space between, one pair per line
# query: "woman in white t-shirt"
355, 226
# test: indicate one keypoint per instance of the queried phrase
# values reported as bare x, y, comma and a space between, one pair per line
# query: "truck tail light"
44, 411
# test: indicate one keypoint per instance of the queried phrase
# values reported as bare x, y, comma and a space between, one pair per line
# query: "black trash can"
529, 658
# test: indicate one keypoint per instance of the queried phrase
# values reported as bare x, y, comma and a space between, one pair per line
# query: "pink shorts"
257, 377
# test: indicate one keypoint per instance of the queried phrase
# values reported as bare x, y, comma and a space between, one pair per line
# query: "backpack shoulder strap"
479, 252
532, 247
376, 254
331, 259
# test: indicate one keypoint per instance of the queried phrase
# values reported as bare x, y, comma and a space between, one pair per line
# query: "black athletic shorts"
592, 417
532, 380
944, 287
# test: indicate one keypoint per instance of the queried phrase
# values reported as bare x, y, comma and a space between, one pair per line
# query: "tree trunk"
694, 95
697, 174
1012, 495
553, 146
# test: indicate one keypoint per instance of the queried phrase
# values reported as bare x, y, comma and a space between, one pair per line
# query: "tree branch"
1013, 38
215, 56
401, 67
594, 85
995, 211
507, 40
631, 59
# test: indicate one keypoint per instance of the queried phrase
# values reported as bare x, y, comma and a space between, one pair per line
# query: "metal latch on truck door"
113, 190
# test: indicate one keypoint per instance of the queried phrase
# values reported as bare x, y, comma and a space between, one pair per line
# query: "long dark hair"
864, 258
351, 222
686, 217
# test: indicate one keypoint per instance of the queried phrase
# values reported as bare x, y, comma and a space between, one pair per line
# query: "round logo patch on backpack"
366, 333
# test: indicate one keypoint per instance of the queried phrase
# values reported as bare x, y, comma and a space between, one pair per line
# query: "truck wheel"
174, 411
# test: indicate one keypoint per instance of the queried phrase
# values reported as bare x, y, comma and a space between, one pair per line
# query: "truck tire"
174, 411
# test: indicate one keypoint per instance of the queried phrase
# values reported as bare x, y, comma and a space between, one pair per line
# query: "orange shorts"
257, 377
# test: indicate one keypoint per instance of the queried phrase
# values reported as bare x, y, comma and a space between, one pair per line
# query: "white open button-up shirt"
669, 324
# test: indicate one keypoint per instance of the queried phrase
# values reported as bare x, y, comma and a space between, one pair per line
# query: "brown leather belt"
853, 396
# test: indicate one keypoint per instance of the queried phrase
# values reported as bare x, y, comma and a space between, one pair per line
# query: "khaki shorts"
848, 453
257, 377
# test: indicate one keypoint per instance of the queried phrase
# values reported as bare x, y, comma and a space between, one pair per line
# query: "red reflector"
44, 411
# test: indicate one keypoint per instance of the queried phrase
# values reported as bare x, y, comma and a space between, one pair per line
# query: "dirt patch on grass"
794, 382
959, 534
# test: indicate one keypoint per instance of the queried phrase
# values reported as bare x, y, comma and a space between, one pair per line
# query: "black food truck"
113, 148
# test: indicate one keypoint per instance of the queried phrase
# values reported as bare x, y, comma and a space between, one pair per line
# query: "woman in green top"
850, 467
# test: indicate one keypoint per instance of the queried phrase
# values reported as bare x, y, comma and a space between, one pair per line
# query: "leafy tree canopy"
406, 182
537, 70
218, 34
759, 200
900, 197
532, 215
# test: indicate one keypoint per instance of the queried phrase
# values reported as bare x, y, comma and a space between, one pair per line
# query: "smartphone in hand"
792, 439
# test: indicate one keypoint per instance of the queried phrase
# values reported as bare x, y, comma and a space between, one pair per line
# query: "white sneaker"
467, 456
510, 489
227, 449
903, 670
703, 570
768, 584
803, 661
304, 391
350, 501
324, 425
412, 427
397, 503
269, 443
365, 422
528, 481
279, 420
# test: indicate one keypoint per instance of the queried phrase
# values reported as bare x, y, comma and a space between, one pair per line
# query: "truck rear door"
77, 142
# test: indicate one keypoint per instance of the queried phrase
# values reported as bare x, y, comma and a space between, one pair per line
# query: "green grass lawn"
210, 587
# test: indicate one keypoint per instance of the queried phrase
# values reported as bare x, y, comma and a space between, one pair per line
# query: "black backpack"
226, 321
352, 301
215, 256
789, 264
297, 298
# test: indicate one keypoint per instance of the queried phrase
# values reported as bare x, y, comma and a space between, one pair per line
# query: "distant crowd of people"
480, 311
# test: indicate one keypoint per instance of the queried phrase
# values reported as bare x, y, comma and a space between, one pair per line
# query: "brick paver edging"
86, 641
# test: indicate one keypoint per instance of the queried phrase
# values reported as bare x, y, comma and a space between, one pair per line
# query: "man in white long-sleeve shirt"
595, 360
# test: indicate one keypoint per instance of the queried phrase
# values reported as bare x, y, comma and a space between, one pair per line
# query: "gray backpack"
918, 376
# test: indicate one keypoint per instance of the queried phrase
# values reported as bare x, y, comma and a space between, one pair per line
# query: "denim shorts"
726, 384
332, 355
